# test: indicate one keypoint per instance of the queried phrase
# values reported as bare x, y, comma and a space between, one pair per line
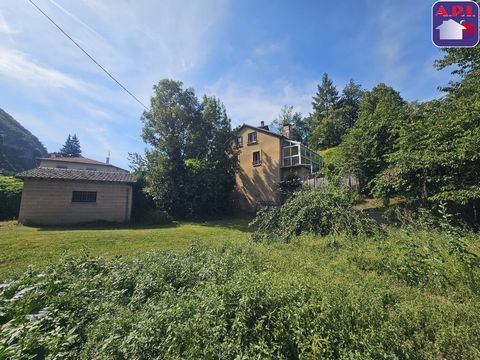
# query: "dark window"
91, 169
256, 158
84, 196
62, 167
252, 137
240, 141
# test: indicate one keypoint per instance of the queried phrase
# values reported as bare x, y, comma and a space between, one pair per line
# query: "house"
265, 159
451, 30
75, 190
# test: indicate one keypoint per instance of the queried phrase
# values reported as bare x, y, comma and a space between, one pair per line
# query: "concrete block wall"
47, 202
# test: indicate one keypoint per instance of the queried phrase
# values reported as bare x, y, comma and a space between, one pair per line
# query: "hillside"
18, 146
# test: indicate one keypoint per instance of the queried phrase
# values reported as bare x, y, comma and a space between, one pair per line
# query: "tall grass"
411, 294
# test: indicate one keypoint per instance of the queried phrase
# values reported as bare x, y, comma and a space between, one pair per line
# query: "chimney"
108, 158
287, 129
263, 126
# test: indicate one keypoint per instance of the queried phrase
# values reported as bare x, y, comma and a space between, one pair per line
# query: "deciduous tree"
189, 165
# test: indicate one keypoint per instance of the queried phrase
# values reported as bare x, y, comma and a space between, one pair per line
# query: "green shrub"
318, 211
10, 196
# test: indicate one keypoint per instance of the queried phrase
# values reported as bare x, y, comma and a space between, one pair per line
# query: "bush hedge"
10, 196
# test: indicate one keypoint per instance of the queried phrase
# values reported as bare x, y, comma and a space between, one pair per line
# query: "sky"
256, 56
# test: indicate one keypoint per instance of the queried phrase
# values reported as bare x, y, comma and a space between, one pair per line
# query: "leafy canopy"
437, 158
189, 166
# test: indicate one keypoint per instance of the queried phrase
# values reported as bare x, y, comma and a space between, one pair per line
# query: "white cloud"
21, 67
252, 104
5, 28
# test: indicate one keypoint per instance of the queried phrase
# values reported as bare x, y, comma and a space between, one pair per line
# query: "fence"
316, 181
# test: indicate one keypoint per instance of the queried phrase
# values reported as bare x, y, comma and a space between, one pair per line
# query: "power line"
90, 56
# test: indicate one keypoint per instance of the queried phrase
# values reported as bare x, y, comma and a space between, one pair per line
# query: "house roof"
76, 175
263, 130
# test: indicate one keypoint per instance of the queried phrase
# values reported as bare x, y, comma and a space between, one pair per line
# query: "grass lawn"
21, 246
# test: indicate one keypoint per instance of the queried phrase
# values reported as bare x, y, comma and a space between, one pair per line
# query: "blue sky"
256, 56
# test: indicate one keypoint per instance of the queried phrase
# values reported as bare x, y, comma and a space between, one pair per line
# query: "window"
256, 158
240, 141
84, 196
91, 169
252, 137
62, 167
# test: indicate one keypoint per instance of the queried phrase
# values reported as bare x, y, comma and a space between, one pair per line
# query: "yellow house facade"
265, 159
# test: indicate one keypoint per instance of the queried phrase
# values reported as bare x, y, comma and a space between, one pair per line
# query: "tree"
350, 104
214, 173
333, 115
438, 158
325, 101
299, 130
71, 148
189, 165
327, 133
367, 144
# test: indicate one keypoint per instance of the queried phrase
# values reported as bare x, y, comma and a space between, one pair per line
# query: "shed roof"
76, 175
79, 160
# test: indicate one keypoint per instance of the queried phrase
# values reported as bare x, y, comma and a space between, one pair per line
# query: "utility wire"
90, 56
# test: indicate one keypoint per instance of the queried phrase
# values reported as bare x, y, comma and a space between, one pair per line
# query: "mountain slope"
18, 146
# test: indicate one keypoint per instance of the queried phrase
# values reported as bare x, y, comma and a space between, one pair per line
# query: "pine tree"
325, 100
71, 148
350, 104
324, 121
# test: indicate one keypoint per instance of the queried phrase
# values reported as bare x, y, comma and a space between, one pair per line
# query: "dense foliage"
366, 146
318, 211
437, 156
10, 196
18, 147
413, 294
333, 114
189, 167
71, 148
